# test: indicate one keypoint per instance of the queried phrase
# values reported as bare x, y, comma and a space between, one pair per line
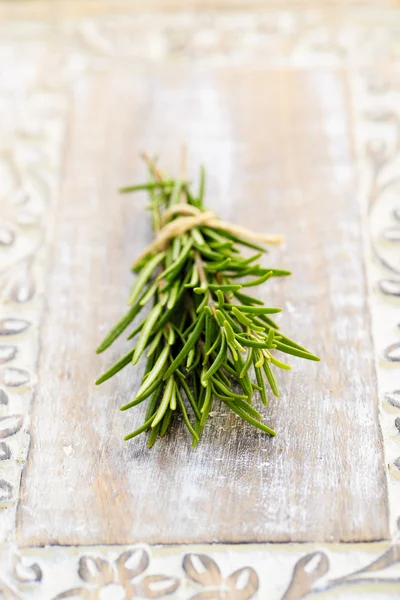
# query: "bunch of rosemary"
203, 335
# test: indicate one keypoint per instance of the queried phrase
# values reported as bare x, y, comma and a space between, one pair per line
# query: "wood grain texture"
277, 145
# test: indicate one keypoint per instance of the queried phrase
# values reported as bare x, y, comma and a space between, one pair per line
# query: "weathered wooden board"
278, 148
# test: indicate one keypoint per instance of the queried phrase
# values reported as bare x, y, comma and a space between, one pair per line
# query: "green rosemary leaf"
245, 320
245, 380
165, 422
230, 336
189, 394
227, 391
221, 396
234, 353
165, 402
218, 246
258, 281
257, 310
169, 312
156, 371
176, 266
250, 342
185, 415
194, 278
148, 390
140, 429
205, 409
216, 238
197, 428
247, 299
202, 185
279, 272
154, 344
190, 358
221, 299
239, 346
261, 385
222, 377
173, 294
218, 266
143, 396
220, 317
225, 288
261, 319
207, 397
208, 334
260, 361
215, 344
197, 359
144, 276
146, 186
250, 419
245, 406
230, 368
240, 263
189, 196
296, 351
151, 407
153, 435
218, 361
247, 364
194, 336
125, 360
271, 379
172, 402
238, 240
136, 330
203, 303
206, 251
119, 328
233, 324
146, 332
279, 364
176, 192
198, 239
287, 341
175, 249
149, 294
170, 335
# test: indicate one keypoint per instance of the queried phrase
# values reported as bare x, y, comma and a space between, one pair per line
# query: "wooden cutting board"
279, 150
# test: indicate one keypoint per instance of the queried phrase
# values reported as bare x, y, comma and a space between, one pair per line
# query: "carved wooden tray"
295, 113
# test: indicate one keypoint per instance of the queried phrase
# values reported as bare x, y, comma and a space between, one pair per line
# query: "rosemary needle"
203, 337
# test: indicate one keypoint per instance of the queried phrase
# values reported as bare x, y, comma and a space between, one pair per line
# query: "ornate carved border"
30, 165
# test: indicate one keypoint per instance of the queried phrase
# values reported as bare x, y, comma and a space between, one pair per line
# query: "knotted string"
190, 217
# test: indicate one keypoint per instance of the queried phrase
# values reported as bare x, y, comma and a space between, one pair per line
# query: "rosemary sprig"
203, 336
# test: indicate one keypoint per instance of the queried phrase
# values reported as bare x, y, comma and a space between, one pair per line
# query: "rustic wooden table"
294, 110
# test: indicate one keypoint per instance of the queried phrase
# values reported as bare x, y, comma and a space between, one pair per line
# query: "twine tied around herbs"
203, 335
191, 217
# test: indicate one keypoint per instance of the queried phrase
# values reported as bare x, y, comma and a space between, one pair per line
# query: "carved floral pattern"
199, 577
123, 577
202, 569
309, 570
